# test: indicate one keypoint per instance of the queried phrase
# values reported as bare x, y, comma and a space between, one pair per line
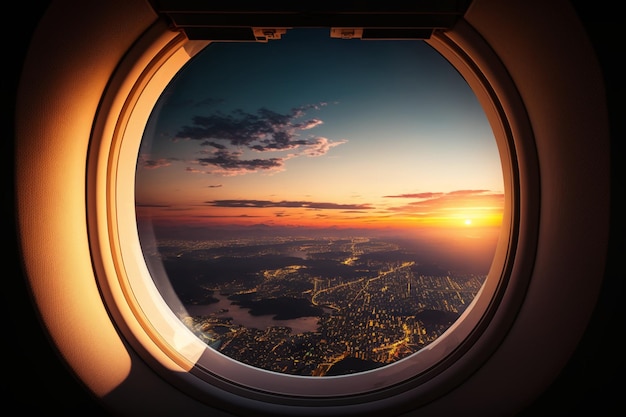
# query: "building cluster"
385, 314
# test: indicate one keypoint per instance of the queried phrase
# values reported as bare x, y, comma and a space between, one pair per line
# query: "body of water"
241, 316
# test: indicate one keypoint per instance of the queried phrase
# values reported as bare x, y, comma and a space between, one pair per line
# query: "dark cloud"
213, 144
155, 163
287, 204
263, 130
230, 161
228, 135
215, 186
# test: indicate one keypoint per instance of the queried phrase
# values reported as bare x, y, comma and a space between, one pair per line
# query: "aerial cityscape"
314, 306
319, 206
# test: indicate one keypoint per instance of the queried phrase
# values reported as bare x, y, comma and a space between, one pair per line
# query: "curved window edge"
119, 131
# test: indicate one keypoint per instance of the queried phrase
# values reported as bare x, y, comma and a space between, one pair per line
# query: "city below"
313, 306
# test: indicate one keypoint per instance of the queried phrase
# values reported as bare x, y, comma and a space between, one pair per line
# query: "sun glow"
237, 156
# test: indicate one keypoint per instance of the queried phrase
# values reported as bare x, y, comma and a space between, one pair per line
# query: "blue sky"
315, 131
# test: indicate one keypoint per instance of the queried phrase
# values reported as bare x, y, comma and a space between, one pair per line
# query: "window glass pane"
320, 206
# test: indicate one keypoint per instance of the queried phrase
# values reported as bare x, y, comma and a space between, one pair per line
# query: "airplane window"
310, 225
318, 207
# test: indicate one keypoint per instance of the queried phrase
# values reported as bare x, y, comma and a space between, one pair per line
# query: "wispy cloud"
287, 204
429, 195
428, 203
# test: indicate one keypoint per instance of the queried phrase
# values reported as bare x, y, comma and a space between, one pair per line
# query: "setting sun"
381, 151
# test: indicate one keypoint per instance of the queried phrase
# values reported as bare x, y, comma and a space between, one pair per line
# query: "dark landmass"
437, 317
352, 365
282, 308
429, 270
202, 299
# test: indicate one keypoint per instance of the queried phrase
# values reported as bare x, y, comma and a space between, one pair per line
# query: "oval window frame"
140, 80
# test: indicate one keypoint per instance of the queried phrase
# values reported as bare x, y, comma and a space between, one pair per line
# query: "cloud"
229, 135
147, 163
462, 198
230, 161
300, 111
287, 204
215, 186
243, 129
430, 202
309, 124
321, 146
469, 192
213, 144
418, 195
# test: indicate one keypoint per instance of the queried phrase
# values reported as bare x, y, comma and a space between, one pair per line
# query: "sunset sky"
314, 131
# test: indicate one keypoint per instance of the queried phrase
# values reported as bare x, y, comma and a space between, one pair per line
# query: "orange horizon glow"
481, 209
402, 145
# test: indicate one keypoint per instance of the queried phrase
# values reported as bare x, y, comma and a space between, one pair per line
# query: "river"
241, 316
